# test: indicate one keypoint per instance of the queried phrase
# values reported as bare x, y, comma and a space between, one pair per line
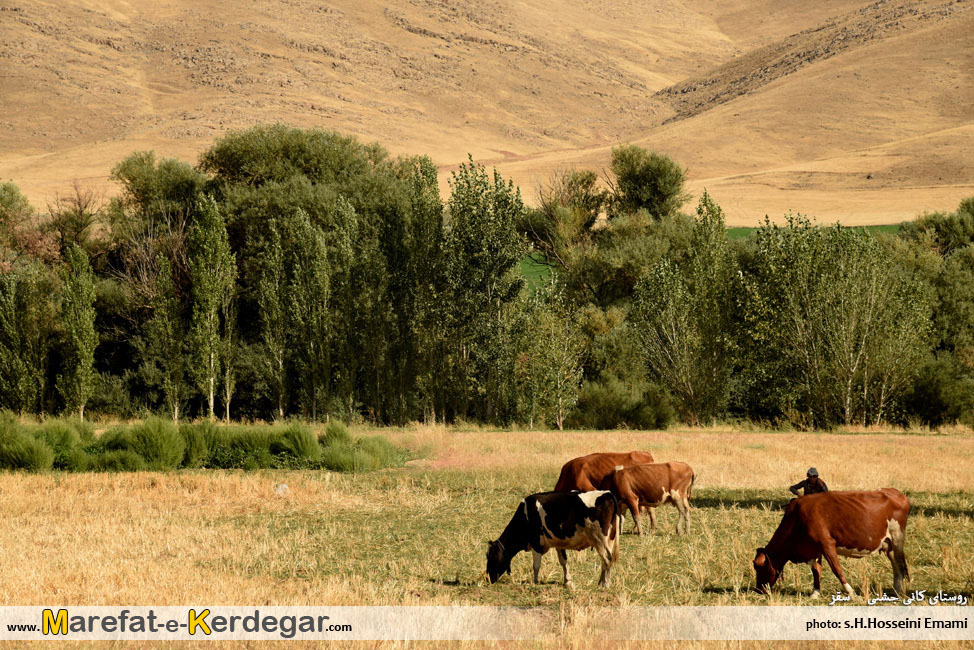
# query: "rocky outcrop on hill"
748, 73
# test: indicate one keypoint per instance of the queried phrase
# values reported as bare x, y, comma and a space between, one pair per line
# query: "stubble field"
417, 535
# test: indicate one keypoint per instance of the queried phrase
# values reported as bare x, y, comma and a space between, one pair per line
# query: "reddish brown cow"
851, 524
586, 473
650, 486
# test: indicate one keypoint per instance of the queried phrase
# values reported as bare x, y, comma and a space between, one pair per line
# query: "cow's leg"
652, 518
897, 577
563, 558
603, 548
537, 564
898, 561
615, 538
897, 558
681, 506
816, 565
633, 504
828, 550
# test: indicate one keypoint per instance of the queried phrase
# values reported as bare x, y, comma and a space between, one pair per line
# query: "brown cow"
586, 473
852, 524
650, 486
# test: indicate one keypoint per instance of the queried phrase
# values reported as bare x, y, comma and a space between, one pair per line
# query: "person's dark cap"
812, 471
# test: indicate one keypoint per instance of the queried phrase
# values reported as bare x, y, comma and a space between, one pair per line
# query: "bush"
336, 434
110, 394
381, 452
942, 393
19, 450
367, 454
155, 440
201, 441
119, 460
340, 458
613, 404
298, 441
647, 181
244, 448
66, 442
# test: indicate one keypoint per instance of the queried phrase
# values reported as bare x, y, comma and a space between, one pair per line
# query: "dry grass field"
850, 110
416, 535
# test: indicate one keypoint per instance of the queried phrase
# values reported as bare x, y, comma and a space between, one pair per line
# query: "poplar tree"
683, 315
484, 250
213, 272
307, 300
165, 335
78, 317
27, 321
273, 327
229, 346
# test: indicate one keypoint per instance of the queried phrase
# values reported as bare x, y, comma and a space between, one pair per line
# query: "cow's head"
498, 562
765, 571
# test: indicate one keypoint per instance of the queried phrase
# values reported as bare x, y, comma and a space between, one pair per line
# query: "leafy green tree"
943, 232
229, 346
307, 306
273, 324
570, 206
165, 333
684, 317
159, 196
213, 272
78, 319
27, 321
484, 250
548, 363
647, 181
844, 327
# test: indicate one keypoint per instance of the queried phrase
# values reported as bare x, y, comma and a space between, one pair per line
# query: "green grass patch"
157, 444
889, 229
535, 270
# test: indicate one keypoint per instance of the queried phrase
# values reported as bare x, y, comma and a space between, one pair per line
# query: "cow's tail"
693, 477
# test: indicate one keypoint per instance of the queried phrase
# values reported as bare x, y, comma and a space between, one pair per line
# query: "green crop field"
744, 233
534, 270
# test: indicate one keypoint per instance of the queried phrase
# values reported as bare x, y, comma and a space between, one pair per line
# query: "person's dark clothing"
811, 486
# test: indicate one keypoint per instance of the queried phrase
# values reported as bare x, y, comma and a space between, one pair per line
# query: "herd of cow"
589, 503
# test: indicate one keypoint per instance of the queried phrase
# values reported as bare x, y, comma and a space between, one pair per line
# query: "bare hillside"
772, 105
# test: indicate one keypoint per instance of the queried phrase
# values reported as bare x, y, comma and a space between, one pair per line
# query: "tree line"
302, 273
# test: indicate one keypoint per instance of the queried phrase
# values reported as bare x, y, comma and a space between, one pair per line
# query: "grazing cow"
650, 486
586, 473
563, 521
852, 524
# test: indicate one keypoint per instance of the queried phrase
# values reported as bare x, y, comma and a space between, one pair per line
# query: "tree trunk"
212, 396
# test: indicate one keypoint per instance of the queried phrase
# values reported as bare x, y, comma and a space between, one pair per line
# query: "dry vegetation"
416, 535
848, 110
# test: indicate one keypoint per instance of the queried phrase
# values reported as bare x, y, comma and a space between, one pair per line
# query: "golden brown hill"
858, 111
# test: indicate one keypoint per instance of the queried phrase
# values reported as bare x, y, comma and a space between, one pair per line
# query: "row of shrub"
157, 444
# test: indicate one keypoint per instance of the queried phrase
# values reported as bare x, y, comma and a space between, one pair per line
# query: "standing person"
812, 483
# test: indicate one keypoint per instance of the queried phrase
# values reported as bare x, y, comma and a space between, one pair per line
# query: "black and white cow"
563, 521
